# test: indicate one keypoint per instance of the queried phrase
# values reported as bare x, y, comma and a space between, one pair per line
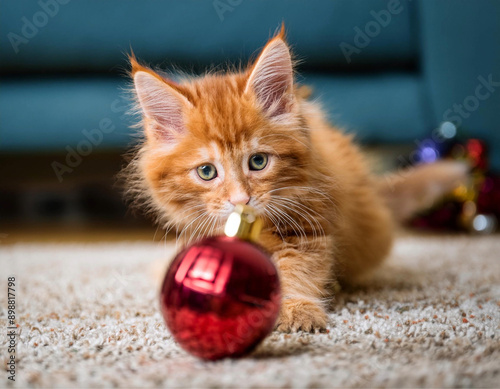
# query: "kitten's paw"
300, 314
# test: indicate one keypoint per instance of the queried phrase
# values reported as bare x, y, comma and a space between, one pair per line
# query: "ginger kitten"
252, 137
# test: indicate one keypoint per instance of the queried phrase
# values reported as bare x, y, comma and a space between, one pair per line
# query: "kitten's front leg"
305, 277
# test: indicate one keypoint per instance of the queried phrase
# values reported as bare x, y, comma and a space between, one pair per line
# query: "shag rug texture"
88, 316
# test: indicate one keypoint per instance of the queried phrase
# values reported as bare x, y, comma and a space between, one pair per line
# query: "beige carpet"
88, 317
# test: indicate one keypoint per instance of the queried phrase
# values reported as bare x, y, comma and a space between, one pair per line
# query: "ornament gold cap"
243, 223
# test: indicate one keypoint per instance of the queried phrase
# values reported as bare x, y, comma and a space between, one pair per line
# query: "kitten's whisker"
202, 228
301, 214
295, 226
185, 228
206, 229
215, 221
299, 232
170, 224
194, 234
307, 210
198, 232
301, 210
274, 222
308, 190
284, 203
304, 208
156, 231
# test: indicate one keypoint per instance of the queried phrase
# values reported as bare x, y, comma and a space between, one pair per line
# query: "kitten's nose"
239, 198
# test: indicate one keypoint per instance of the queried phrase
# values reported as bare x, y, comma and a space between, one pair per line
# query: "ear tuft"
134, 64
282, 32
162, 106
271, 78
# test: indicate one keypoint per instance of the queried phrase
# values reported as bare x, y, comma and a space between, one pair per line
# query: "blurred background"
390, 71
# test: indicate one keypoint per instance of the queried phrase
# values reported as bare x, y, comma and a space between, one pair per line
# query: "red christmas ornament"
221, 296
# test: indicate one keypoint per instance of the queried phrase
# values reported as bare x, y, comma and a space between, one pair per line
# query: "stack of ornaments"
474, 207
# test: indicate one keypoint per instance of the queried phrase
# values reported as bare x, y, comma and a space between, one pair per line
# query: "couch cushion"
53, 114
94, 35
378, 108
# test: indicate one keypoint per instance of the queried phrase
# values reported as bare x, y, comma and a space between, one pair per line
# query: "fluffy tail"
418, 188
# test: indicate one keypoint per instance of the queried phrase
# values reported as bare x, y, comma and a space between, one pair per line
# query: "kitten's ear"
163, 107
271, 78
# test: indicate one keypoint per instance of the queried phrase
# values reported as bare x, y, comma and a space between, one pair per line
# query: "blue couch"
388, 70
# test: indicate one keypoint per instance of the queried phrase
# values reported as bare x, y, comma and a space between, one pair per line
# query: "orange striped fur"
324, 218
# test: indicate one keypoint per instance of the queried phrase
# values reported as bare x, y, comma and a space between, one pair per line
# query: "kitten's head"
220, 140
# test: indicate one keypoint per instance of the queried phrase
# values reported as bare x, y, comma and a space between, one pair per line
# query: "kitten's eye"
207, 172
257, 161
